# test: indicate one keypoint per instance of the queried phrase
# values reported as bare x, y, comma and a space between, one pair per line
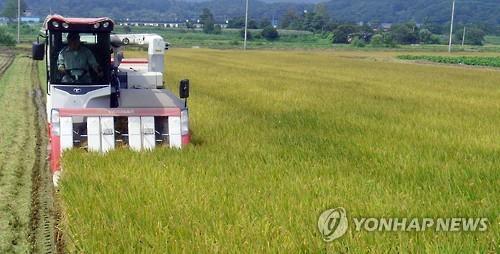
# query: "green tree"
377, 40
473, 36
10, 9
252, 24
406, 33
291, 20
270, 33
432, 27
318, 20
341, 34
238, 22
207, 19
425, 36
358, 43
314, 22
6, 38
217, 29
389, 40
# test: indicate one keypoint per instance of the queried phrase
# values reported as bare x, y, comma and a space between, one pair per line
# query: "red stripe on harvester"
186, 139
120, 112
134, 61
55, 153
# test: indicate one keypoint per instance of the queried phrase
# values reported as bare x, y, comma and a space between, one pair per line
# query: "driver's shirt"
76, 59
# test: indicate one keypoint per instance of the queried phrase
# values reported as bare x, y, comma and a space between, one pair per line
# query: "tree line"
386, 11
269, 32
319, 21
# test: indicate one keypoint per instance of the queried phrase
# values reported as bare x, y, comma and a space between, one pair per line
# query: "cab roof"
77, 24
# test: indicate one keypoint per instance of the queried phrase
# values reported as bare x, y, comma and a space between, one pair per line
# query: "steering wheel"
75, 73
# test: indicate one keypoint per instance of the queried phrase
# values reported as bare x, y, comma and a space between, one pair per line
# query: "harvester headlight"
65, 25
105, 24
184, 122
55, 24
97, 25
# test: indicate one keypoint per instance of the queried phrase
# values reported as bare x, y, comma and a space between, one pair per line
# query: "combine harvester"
123, 103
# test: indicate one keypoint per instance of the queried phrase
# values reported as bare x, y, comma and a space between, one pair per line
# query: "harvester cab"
97, 99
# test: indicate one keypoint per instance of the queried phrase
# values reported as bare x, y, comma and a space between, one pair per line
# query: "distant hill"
386, 11
439, 11
273, 1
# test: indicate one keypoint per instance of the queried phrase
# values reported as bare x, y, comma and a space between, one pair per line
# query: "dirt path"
5, 62
43, 212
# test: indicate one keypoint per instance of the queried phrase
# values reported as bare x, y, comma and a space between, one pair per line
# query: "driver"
74, 61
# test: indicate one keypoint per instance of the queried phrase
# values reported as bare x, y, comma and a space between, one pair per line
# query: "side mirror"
38, 51
184, 89
116, 42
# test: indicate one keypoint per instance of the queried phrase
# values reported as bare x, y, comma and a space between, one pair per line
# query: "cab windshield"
79, 58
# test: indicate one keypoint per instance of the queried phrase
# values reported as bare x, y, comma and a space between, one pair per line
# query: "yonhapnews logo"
333, 224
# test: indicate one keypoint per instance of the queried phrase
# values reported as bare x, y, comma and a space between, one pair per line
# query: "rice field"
280, 136
17, 156
26, 200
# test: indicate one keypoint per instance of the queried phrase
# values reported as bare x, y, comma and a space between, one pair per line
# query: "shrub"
249, 34
217, 29
377, 40
358, 43
6, 38
270, 33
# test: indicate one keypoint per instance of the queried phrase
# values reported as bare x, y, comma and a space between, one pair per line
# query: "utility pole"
246, 26
451, 25
463, 38
18, 21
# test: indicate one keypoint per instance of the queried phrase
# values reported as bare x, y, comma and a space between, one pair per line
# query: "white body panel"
174, 131
148, 133
147, 80
66, 133
134, 133
156, 48
57, 98
142, 135
94, 134
107, 134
